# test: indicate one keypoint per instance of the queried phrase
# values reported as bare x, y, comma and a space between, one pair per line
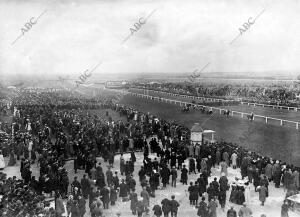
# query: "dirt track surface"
270, 140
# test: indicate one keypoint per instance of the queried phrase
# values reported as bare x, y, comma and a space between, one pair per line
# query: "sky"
178, 37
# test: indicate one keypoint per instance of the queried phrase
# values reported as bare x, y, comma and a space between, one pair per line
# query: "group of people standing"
66, 132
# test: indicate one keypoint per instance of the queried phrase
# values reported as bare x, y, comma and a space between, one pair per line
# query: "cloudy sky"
179, 36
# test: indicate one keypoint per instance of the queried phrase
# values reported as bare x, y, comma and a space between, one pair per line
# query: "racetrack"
264, 111
274, 141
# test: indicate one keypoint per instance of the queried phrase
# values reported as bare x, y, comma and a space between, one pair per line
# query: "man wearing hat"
277, 174
184, 175
145, 196
174, 206
202, 210
133, 201
140, 207
231, 212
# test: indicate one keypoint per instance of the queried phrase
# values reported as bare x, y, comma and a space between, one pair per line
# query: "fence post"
242, 114
281, 122
232, 113
220, 111
266, 120
297, 125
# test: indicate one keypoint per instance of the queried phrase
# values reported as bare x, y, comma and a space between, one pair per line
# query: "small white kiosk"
198, 135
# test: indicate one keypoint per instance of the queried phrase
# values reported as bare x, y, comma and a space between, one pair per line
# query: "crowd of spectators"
275, 94
49, 129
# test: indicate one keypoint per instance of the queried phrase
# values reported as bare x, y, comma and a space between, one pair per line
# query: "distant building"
116, 84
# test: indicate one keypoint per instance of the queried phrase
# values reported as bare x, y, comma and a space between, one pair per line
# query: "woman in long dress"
2, 162
247, 193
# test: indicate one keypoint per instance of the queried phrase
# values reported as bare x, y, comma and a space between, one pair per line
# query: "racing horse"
226, 112
185, 109
250, 117
209, 112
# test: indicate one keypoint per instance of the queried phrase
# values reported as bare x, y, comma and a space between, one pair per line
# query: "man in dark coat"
145, 196
157, 210
133, 201
64, 183
155, 164
215, 186
131, 183
111, 159
202, 210
210, 191
115, 180
127, 168
131, 166
174, 177
174, 206
156, 179
223, 181
113, 195
285, 209
231, 212
142, 174
165, 176
100, 180
166, 208
140, 208
105, 197
202, 185
193, 194
109, 177
263, 191
81, 206
184, 175
153, 184
277, 175
75, 164
256, 178
123, 190
133, 157
86, 186
222, 199
173, 159
122, 164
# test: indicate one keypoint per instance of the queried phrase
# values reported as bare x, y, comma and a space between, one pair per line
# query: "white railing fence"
282, 122
224, 100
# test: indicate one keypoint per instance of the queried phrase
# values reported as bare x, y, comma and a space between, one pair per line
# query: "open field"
274, 141
264, 111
